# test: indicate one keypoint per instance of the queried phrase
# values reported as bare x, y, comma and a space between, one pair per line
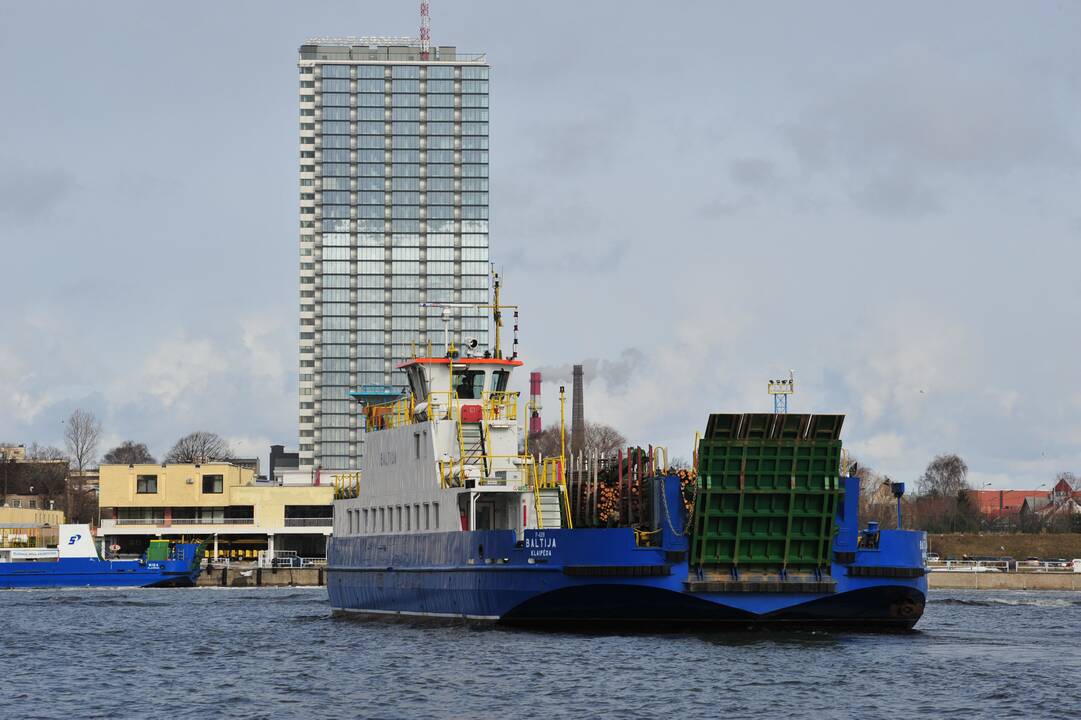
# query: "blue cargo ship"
448, 520
75, 562
452, 516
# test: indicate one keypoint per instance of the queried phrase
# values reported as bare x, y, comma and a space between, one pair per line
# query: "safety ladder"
471, 446
549, 509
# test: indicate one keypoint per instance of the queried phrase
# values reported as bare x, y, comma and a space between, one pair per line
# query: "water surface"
278, 653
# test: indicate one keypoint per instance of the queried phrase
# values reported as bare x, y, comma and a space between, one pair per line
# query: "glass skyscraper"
393, 214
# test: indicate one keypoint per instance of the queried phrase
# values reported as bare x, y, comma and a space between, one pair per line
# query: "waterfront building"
38, 484
393, 214
219, 501
12, 453
86, 481
27, 525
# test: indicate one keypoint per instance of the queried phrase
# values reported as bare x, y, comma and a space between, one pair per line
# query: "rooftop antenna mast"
497, 318
780, 390
425, 30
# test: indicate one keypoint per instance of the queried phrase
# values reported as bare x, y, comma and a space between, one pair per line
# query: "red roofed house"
1003, 503
994, 504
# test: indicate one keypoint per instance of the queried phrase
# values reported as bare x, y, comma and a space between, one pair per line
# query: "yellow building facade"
219, 502
29, 527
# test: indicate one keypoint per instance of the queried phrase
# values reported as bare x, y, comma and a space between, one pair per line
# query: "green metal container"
157, 551
769, 486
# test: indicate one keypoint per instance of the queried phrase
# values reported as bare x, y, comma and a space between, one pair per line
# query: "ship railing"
287, 559
389, 415
500, 405
970, 566
452, 472
1020, 566
550, 474
442, 405
346, 485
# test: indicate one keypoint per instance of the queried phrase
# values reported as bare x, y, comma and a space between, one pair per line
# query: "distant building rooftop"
352, 48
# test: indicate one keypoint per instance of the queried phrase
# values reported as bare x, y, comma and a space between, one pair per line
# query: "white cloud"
881, 448
176, 371
248, 446
19, 396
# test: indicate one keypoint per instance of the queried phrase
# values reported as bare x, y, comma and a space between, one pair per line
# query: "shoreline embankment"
943, 580
239, 576
1016, 545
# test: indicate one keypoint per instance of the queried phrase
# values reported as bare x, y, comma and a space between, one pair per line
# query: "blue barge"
450, 519
603, 576
75, 562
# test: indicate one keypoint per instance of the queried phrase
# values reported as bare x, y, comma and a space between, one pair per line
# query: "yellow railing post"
536, 495
562, 423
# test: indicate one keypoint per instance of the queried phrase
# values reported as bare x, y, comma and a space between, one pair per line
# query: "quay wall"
1003, 581
239, 576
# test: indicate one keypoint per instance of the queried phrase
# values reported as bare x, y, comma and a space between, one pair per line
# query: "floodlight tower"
780, 390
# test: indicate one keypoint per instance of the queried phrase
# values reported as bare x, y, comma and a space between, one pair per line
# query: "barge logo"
540, 545
73, 538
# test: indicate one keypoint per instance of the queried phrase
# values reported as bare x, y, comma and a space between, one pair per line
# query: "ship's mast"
497, 317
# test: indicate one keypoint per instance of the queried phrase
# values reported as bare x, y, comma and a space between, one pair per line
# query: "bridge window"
213, 483
470, 385
500, 380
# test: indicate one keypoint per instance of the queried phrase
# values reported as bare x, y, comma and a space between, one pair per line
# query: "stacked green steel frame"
769, 486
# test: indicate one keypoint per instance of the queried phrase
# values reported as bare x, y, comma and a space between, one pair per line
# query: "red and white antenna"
425, 30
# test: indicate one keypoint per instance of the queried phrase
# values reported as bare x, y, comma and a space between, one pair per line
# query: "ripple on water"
256, 653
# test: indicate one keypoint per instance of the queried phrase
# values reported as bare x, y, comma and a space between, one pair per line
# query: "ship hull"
90, 572
590, 578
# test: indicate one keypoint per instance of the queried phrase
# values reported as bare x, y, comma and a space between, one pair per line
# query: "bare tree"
602, 439
1069, 477
82, 434
198, 447
546, 442
44, 452
129, 453
946, 476
599, 438
680, 463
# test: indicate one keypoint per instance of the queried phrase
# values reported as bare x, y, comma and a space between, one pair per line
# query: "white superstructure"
446, 457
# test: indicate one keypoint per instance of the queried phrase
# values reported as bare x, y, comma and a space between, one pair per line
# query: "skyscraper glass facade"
393, 214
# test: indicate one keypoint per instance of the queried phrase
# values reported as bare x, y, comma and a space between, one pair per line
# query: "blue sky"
690, 198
